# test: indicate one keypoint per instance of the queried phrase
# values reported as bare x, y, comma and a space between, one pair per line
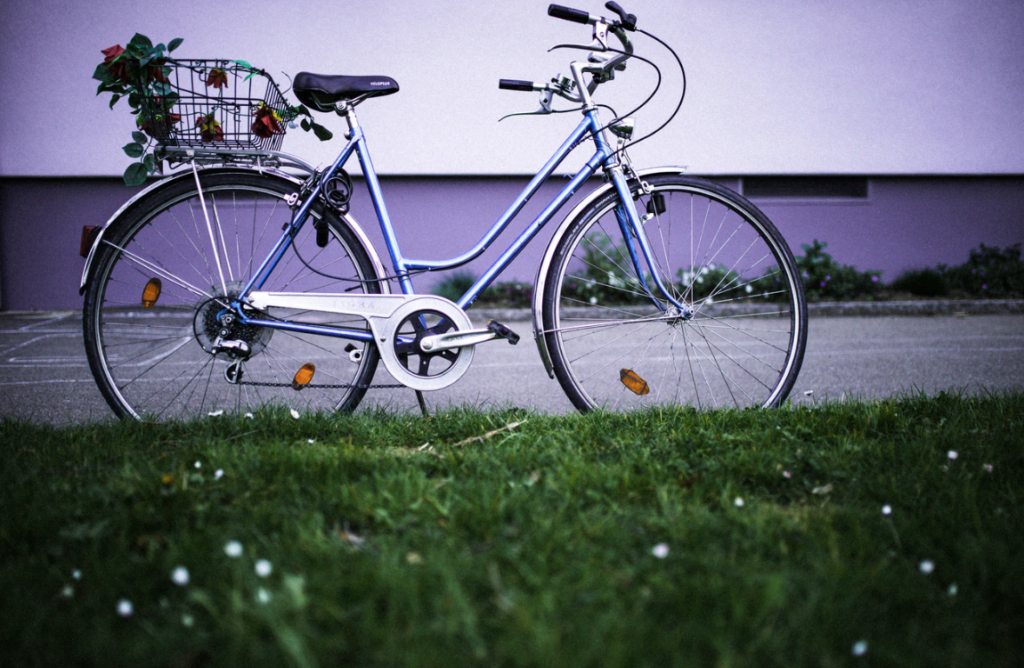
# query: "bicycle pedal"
503, 332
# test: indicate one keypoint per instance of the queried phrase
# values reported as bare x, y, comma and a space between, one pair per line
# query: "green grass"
533, 547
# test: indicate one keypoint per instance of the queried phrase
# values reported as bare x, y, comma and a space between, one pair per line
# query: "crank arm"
450, 340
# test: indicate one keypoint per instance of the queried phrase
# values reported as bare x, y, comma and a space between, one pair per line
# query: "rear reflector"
89, 233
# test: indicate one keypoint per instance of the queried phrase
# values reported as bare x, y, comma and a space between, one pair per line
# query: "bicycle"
242, 280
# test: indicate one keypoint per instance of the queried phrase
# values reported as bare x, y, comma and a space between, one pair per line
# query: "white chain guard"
385, 314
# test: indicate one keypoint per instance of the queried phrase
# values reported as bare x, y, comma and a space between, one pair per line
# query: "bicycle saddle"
322, 91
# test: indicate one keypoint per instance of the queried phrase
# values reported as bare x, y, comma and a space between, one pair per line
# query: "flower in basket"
267, 123
217, 78
209, 128
116, 69
159, 125
155, 71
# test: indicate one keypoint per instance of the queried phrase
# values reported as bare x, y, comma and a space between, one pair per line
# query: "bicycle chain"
345, 386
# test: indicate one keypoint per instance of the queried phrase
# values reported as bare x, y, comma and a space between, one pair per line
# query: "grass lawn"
883, 534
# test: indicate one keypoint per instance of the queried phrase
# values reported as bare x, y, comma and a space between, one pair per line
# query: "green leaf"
243, 64
150, 163
135, 175
134, 150
140, 138
141, 42
113, 99
305, 125
101, 73
322, 133
175, 43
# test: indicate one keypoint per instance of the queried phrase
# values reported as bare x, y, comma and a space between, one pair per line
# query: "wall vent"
806, 187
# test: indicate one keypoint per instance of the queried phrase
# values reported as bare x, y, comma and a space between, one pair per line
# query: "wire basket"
218, 104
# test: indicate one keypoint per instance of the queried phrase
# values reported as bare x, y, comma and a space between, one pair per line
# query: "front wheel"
615, 345
154, 309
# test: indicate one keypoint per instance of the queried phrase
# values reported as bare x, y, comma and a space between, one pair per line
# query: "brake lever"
561, 85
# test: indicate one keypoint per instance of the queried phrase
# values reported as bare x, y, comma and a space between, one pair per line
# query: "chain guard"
392, 352
385, 314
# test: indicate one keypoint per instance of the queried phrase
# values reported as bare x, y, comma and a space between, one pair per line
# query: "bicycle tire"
612, 348
154, 359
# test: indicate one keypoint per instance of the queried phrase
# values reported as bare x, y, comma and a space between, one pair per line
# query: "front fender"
549, 254
134, 202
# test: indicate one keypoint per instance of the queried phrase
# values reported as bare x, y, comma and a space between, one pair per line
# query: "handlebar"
568, 14
627, 21
606, 65
515, 84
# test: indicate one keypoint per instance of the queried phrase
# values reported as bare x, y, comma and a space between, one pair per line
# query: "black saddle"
323, 91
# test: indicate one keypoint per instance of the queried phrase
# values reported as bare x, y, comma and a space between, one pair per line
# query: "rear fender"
130, 206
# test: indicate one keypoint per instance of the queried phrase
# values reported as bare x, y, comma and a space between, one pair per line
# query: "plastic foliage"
139, 72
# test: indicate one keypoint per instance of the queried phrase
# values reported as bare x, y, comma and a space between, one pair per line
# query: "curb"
954, 307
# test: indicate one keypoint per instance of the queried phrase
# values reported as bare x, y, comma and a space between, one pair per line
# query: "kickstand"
423, 404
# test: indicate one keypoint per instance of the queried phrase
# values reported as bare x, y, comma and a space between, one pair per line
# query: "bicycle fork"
632, 227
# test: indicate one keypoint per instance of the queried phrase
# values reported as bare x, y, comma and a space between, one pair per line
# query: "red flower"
161, 127
117, 69
267, 122
209, 128
217, 78
155, 71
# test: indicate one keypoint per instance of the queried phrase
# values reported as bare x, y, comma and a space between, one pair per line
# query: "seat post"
348, 110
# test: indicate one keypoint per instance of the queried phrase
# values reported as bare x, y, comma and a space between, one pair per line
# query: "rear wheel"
612, 347
155, 305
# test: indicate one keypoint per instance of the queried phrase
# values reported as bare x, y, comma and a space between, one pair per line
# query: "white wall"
787, 86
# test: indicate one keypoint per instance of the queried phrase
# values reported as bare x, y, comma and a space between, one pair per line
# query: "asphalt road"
44, 375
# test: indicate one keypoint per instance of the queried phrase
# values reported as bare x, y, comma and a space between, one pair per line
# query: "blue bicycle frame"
629, 223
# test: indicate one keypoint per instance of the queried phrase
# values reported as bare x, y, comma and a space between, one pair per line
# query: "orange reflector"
303, 376
151, 292
635, 383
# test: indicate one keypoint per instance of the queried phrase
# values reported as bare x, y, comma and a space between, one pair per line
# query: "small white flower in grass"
68, 591
887, 510
952, 454
249, 416
233, 549
199, 464
263, 596
927, 566
187, 620
738, 502
295, 414
952, 589
216, 413
263, 568
180, 576
787, 474
124, 608
987, 467
660, 550
76, 574
218, 474
860, 648
311, 441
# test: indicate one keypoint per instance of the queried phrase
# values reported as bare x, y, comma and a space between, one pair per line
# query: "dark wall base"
895, 223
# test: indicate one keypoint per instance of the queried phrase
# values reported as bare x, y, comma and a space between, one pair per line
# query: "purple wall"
904, 222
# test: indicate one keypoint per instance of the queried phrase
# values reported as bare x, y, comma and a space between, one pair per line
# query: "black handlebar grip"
515, 84
568, 14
